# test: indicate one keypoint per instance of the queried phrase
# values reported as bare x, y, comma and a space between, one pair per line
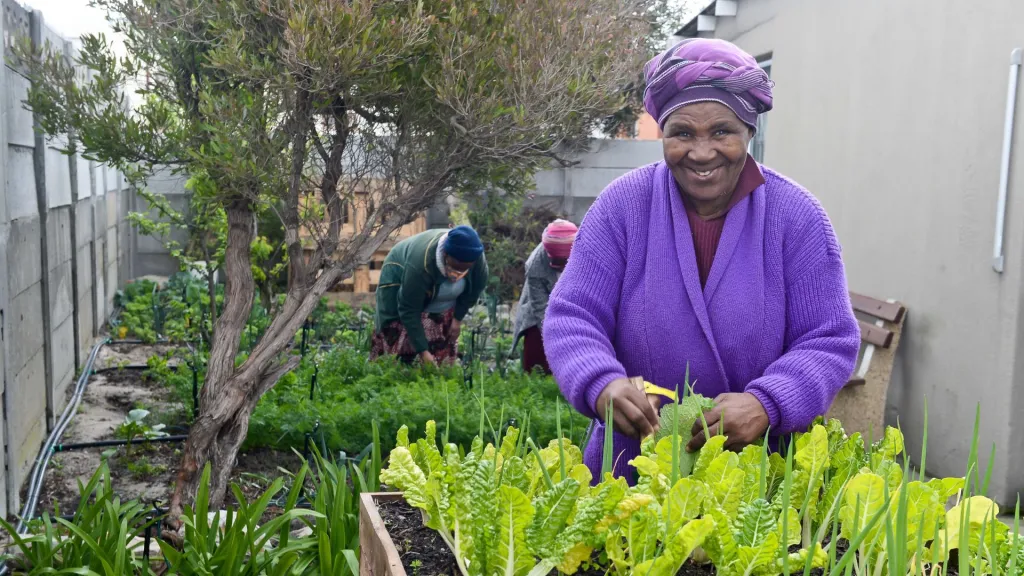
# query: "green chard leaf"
509, 443
425, 451
720, 545
711, 450
749, 559
685, 501
750, 463
553, 508
755, 521
725, 481
509, 555
578, 540
513, 473
797, 561
476, 509
403, 473
890, 446
678, 548
812, 451
865, 497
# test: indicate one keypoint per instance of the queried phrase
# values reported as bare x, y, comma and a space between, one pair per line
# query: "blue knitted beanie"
463, 244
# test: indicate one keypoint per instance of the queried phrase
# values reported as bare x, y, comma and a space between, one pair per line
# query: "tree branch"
292, 222
333, 171
563, 162
318, 143
375, 117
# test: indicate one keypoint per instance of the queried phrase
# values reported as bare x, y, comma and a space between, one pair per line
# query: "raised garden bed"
833, 505
385, 517
380, 557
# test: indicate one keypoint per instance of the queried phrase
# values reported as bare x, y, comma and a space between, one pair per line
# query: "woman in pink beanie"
543, 268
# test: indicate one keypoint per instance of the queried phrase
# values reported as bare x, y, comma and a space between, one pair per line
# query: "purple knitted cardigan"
774, 319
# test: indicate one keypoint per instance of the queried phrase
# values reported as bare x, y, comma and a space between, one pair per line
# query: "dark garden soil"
424, 553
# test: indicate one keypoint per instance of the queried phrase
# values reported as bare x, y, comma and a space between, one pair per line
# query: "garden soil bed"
112, 355
423, 553
145, 472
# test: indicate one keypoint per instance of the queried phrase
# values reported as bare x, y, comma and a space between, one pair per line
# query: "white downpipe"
1016, 60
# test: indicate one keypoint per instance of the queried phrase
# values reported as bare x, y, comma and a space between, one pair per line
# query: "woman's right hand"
427, 358
634, 415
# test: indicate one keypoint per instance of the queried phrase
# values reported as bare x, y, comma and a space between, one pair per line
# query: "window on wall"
345, 217
757, 143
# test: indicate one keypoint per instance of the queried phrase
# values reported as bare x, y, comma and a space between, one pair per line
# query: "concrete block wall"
150, 254
64, 243
572, 190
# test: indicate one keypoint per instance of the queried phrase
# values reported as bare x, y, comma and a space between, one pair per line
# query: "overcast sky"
70, 18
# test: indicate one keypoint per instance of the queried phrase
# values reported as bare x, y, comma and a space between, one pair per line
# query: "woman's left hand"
744, 421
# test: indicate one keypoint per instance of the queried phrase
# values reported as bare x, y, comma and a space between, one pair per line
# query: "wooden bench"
860, 405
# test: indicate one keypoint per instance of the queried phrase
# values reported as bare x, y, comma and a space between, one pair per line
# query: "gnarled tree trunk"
230, 394
221, 393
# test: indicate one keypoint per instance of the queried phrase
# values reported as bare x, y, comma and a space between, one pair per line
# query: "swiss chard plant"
830, 503
510, 509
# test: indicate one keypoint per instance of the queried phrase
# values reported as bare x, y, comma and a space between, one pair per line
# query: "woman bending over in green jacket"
427, 285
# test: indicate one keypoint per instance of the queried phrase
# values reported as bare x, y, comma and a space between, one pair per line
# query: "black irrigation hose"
69, 517
136, 341
111, 443
171, 367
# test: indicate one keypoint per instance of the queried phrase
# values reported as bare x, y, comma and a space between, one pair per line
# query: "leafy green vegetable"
749, 513
495, 510
681, 416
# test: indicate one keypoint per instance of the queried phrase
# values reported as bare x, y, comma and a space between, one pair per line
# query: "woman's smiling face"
705, 148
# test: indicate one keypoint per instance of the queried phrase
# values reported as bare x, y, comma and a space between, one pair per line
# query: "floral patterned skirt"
393, 339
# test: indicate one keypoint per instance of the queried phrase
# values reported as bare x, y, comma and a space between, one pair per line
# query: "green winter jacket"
409, 279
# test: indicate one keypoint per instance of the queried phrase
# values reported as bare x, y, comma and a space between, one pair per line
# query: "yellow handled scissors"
649, 388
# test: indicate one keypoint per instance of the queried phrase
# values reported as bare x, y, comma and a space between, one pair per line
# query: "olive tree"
291, 103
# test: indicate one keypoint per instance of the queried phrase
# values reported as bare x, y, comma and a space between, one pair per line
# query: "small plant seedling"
142, 468
135, 426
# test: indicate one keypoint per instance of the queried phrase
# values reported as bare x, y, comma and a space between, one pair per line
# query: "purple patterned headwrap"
706, 70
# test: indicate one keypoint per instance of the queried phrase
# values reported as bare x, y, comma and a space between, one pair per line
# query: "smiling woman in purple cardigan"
706, 260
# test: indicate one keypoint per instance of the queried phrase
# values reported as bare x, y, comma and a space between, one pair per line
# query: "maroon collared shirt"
707, 232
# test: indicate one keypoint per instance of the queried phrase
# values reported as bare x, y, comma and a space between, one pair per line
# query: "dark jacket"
409, 279
533, 303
